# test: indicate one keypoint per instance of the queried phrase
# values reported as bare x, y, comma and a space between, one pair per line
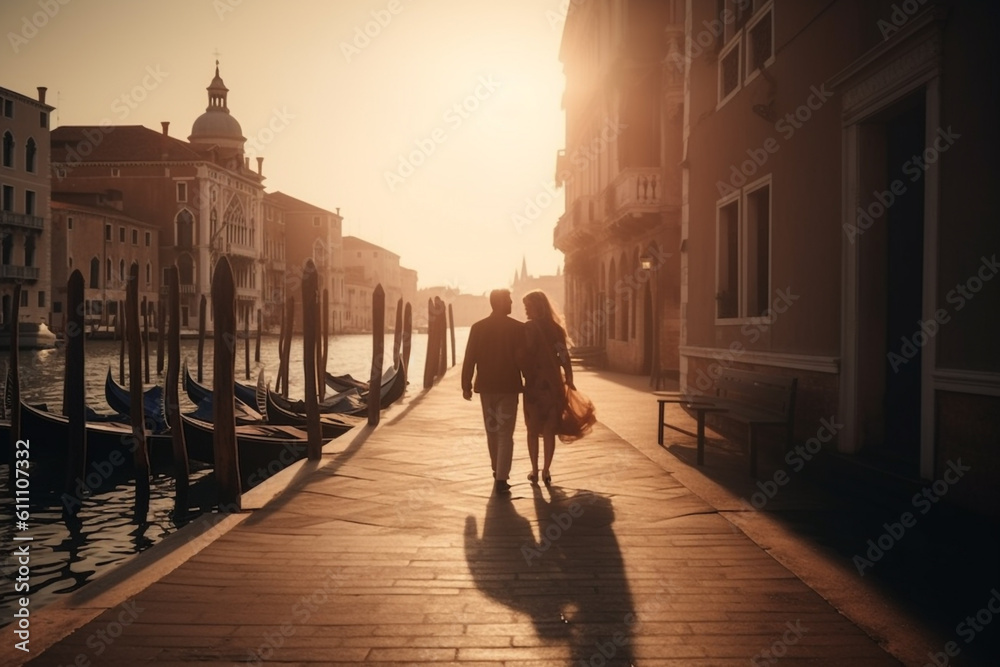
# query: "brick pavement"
393, 552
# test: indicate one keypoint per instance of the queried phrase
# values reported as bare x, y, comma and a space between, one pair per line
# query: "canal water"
65, 555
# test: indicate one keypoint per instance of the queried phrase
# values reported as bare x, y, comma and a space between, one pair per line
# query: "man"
492, 355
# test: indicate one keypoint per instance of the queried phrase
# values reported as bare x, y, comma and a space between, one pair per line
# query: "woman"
546, 350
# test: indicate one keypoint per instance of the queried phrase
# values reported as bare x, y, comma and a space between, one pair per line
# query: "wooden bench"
754, 399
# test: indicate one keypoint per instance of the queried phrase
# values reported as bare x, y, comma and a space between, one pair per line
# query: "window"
182, 192
729, 72
43, 120
760, 43
315, 221
121, 270
115, 172
69, 222
8, 197
95, 271
41, 299
107, 271
121, 235
149, 239
57, 307
743, 253
29, 202
8, 108
135, 237
24, 299
184, 225
69, 262
149, 273
30, 152
8, 149
29, 251
107, 231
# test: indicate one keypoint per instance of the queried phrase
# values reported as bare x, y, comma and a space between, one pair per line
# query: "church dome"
216, 126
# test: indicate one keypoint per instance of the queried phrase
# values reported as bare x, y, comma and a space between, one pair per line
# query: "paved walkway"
393, 552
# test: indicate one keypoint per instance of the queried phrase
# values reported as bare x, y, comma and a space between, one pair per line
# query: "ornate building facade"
622, 178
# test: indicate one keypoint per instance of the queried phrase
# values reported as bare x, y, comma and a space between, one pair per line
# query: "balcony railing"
182, 289
21, 220
638, 190
240, 250
10, 271
247, 293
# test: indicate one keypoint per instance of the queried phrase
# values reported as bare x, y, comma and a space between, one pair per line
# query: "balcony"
635, 200
11, 272
576, 229
21, 220
247, 293
239, 250
182, 289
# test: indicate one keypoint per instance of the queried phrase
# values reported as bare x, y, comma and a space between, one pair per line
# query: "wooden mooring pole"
451, 326
14, 386
161, 334
309, 306
181, 467
397, 333
256, 352
407, 341
286, 353
431, 363
201, 336
145, 334
378, 350
442, 315
246, 340
227, 464
74, 389
325, 345
140, 454
121, 348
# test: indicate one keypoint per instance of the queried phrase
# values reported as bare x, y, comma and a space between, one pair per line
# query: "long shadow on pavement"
570, 578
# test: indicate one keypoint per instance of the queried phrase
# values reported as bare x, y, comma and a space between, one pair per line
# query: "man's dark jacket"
495, 344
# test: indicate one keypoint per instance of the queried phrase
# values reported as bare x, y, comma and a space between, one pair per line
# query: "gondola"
262, 450
392, 387
346, 402
49, 436
331, 424
197, 392
120, 400
345, 382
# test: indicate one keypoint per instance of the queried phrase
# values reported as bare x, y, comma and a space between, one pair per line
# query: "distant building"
466, 308
92, 235
25, 222
200, 193
621, 171
366, 266
312, 232
553, 286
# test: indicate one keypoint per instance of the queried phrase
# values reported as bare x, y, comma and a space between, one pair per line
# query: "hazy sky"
430, 123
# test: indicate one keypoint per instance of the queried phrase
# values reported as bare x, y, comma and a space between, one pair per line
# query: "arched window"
30, 151
121, 270
185, 229
107, 272
95, 273
8, 149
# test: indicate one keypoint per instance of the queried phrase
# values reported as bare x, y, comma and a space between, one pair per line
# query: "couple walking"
500, 350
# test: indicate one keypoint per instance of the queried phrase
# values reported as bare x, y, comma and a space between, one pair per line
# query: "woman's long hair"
547, 314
